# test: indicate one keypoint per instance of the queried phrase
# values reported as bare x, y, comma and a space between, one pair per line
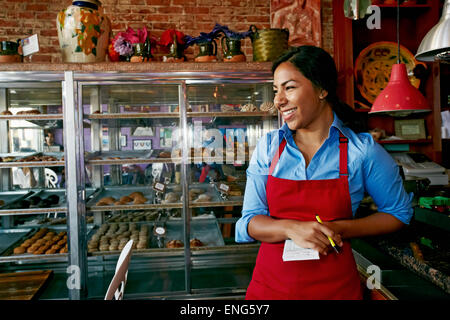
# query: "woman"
315, 165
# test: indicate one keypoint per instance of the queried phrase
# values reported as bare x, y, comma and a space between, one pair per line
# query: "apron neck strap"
343, 145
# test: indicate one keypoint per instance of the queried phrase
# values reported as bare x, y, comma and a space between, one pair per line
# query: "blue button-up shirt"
371, 170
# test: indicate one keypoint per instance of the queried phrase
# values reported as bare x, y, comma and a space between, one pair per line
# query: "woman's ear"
323, 94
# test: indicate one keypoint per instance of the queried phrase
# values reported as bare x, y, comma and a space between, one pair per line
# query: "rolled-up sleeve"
255, 201
384, 183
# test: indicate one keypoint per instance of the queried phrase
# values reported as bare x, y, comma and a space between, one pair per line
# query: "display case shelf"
161, 115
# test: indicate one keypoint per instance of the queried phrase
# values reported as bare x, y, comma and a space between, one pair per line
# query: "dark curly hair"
319, 68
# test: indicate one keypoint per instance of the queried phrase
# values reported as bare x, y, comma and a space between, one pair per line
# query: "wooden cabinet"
352, 36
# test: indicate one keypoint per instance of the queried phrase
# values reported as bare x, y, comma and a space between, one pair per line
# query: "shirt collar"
336, 126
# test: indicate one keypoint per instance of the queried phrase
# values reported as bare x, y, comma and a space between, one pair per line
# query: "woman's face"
299, 102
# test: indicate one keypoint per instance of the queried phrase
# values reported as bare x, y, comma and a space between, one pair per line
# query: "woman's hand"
313, 235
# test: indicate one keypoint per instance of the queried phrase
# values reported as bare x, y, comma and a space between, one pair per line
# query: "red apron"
334, 276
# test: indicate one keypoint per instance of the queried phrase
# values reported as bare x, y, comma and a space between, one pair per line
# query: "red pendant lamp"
400, 97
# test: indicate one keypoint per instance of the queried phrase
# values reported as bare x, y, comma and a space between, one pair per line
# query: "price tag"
30, 45
224, 188
159, 187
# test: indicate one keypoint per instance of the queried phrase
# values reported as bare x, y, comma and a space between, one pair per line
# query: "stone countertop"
143, 67
435, 266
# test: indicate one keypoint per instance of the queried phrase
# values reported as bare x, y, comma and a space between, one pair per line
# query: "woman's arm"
375, 224
307, 234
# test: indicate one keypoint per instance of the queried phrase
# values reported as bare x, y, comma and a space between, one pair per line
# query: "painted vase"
83, 32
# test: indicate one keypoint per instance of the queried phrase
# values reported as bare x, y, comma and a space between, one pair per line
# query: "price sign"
159, 187
224, 188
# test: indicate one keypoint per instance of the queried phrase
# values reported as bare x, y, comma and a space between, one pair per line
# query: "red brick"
36, 7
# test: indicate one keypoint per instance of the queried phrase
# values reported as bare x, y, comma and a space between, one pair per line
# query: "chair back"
117, 286
51, 178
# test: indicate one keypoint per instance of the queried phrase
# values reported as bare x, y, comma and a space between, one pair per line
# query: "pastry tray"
10, 197
19, 156
45, 193
119, 157
9, 237
9, 251
117, 193
208, 189
206, 230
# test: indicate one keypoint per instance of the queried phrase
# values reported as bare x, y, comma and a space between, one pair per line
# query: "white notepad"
293, 252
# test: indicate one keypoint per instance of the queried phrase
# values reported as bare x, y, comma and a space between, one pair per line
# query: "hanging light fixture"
399, 98
436, 43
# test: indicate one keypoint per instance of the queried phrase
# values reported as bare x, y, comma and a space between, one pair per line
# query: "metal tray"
117, 193
9, 237
19, 156
94, 229
10, 249
208, 189
206, 230
11, 196
45, 193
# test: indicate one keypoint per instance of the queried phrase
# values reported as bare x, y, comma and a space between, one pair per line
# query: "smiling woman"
315, 165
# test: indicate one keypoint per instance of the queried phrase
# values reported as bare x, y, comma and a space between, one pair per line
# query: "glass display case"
33, 202
159, 158
167, 159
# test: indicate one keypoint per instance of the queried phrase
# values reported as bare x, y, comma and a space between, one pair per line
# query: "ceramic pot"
142, 52
232, 50
207, 51
9, 51
176, 52
83, 32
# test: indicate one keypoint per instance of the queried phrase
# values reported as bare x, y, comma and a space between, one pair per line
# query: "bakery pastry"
19, 250
6, 113
138, 200
268, 106
203, 198
174, 244
136, 194
106, 201
249, 107
195, 243
164, 154
126, 199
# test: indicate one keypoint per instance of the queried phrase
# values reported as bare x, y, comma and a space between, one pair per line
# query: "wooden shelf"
425, 5
33, 117
421, 141
144, 67
133, 115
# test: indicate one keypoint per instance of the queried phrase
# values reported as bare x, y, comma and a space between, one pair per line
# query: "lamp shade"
436, 43
400, 97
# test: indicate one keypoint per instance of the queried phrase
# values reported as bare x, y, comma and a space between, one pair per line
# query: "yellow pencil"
331, 240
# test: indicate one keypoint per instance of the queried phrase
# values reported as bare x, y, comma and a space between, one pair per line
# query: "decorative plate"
373, 67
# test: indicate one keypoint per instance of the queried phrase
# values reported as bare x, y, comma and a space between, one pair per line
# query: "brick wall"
19, 19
